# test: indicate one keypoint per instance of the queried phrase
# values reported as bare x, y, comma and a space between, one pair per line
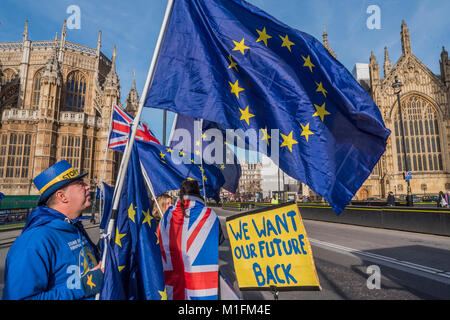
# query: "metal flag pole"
150, 187
102, 176
201, 159
129, 146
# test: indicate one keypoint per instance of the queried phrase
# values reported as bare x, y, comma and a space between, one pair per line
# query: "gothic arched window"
36, 89
422, 136
75, 92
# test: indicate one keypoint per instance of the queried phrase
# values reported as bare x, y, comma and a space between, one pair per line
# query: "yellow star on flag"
169, 150
235, 89
308, 63
287, 43
232, 63
306, 132
118, 237
320, 111
89, 282
157, 239
120, 268
162, 155
222, 167
181, 153
131, 213
246, 115
265, 135
288, 141
197, 143
263, 36
321, 89
148, 218
163, 294
240, 46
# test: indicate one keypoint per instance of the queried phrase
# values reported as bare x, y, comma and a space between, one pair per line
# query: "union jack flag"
121, 128
190, 251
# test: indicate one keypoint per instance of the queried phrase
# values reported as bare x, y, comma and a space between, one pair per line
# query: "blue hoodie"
47, 261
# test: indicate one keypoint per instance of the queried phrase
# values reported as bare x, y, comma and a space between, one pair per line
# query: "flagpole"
102, 176
129, 146
150, 186
201, 159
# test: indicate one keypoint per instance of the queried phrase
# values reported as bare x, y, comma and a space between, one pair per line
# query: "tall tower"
111, 96
49, 101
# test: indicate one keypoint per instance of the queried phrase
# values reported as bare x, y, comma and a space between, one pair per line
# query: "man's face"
78, 196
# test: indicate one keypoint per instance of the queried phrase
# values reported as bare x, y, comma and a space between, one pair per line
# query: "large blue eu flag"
229, 62
134, 243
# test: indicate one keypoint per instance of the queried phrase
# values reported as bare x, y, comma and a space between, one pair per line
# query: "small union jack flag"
190, 251
121, 129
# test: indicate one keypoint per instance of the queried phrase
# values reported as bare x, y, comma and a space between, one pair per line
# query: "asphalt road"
412, 265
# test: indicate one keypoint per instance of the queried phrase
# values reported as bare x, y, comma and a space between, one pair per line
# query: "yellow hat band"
68, 174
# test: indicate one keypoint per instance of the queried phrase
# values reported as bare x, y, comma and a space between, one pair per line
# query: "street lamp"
397, 86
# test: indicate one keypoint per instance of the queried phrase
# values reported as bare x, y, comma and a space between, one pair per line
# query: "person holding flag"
54, 258
189, 239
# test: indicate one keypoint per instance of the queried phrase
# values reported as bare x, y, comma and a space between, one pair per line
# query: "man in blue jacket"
53, 258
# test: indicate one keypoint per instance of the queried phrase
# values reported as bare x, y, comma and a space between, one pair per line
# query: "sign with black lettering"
270, 248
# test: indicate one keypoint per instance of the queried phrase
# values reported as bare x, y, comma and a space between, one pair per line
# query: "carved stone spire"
406, 40
374, 69
99, 42
133, 99
112, 84
387, 67
25, 31
325, 42
63, 42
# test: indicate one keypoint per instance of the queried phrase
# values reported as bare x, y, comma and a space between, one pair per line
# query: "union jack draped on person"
189, 243
121, 127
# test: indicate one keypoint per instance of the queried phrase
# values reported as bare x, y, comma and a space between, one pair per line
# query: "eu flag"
167, 168
229, 62
219, 154
134, 240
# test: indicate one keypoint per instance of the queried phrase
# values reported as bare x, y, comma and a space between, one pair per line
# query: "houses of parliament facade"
425, 103
56, 100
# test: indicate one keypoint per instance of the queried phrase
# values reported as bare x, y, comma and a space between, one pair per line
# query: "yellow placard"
270, 249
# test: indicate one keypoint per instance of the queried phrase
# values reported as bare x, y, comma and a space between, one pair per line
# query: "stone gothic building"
55, 104
425, 102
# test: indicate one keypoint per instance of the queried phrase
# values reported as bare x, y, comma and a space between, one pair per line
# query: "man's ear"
61, 195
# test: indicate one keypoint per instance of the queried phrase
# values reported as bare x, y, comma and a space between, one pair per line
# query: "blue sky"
134, 27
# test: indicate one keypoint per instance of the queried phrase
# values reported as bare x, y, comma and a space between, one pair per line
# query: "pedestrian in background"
164, 202
441, 200
391, 199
